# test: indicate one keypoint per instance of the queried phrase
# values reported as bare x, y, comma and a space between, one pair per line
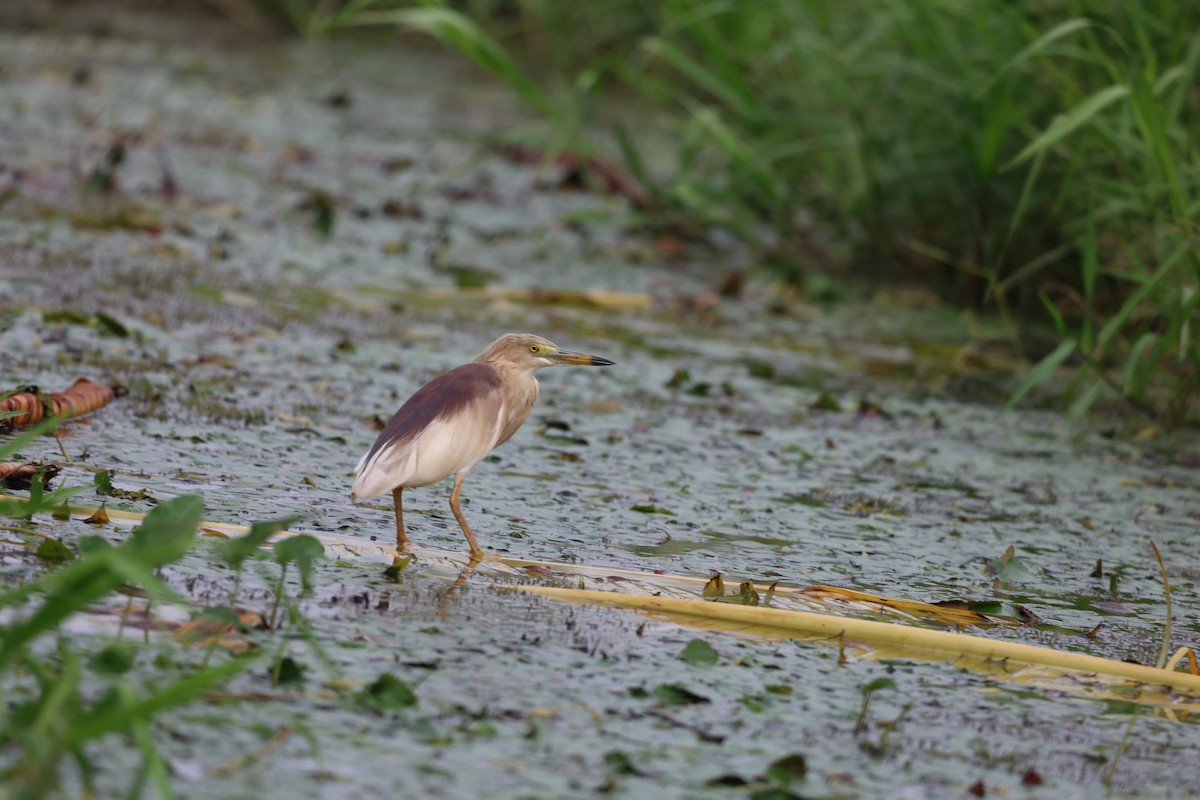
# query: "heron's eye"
533, 348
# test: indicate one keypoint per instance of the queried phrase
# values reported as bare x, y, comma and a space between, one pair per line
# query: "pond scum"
62, 712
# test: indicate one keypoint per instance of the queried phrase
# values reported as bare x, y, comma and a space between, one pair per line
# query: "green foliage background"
1037, 158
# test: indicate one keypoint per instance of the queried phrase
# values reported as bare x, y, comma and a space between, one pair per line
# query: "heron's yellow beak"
566, 358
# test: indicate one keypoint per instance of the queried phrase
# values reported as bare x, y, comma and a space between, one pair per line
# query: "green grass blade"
1067, 123
1039, 45
464, 35
1090, 266
1056, 316
152, 763
704, 78
1134, 376
1085, 399
1118, 320
1041, 372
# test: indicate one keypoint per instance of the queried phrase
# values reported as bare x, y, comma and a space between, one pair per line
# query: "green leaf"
115, 659
110, 325
787, 770
397, 567
761, 369
1011, 569
619, 763
825, 402
387, 693
877, 684
303, 551
1065, 124
67, 316
287, 670
651, 509
699, 651
103, 483
54, 550
167, 531
675, 695
235, 551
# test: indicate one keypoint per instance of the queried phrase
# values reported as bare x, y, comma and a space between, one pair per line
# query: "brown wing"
407, 443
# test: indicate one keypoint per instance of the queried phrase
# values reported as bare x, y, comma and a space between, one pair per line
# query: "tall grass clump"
1035, 157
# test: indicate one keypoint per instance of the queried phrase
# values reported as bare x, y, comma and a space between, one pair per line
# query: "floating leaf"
699, 651
675, 695
678, 379
715, 586
1026, 616
619, 763
110, 325
825, 402
99, 517
787, 770
103, 483
54, 550
1010, 569
387, 693
287, 670
324, 209
66, 316
761, 369
650, 509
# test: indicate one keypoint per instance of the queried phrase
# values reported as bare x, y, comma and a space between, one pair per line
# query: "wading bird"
456, 419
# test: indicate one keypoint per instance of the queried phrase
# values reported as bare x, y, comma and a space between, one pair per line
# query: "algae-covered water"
272, 244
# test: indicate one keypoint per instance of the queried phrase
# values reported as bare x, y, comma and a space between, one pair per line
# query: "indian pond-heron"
456, 419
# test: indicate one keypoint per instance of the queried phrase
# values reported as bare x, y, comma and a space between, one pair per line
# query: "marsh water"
291, 238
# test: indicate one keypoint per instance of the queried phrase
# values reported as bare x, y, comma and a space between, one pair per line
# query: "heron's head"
526, 351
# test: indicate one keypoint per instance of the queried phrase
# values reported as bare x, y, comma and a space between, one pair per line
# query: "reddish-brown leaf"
82, 397
17, 475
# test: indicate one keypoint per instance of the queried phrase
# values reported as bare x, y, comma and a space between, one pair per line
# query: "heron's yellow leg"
458, 515
401, 536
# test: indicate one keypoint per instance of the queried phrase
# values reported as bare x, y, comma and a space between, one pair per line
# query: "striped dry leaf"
17, 475
32, 406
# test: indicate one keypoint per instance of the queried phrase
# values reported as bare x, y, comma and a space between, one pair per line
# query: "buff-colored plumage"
451, 423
